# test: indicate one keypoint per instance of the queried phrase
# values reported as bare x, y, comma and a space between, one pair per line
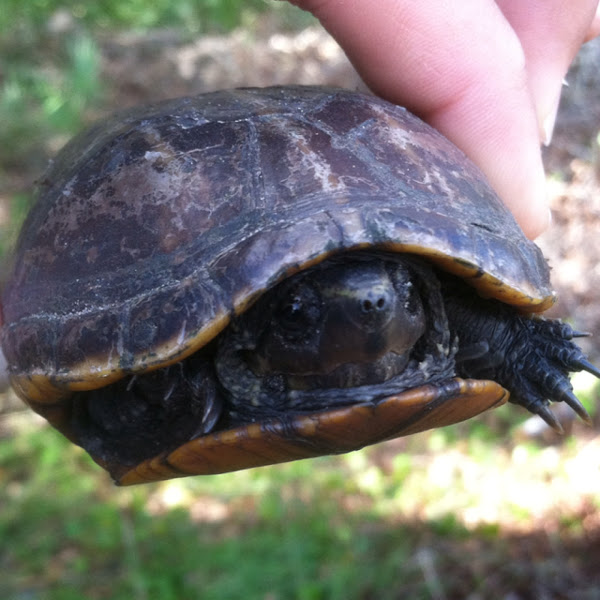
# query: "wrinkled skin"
335, 335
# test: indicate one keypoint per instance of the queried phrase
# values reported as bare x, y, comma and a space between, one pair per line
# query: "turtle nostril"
369, 305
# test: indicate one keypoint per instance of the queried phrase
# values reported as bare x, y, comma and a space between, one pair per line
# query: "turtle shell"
153, 228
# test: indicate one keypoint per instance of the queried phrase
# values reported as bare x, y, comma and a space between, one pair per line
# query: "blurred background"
498, 507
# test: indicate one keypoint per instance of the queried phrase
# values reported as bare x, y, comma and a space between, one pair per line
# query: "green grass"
432, 516
194, 15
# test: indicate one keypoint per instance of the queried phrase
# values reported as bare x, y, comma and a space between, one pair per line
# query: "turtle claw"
580, 334
569, 398
548, 416
556, 356
585, 365
539, 366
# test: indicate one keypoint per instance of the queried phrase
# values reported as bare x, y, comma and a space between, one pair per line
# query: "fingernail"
549, 121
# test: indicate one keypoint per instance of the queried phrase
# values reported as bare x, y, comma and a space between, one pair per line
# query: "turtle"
260, 275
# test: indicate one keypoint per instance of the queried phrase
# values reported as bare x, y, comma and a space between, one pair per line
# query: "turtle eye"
298, 312
292, 312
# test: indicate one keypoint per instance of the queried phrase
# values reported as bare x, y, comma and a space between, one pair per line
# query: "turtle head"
348, 313
314, 339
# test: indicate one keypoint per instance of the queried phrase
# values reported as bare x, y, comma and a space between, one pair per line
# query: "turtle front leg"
530, 356
140, 416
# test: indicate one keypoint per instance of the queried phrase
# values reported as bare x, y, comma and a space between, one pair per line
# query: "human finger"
551, 33
461, 67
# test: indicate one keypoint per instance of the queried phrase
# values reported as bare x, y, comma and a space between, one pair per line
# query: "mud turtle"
260, 275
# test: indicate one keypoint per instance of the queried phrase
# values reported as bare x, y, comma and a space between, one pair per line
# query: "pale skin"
486, 73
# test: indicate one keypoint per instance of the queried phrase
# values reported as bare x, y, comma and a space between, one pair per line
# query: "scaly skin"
530, 356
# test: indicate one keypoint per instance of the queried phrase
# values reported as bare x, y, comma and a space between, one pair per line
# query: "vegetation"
453, 514
204, 15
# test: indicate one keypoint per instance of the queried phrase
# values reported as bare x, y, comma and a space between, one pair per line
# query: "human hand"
486, 73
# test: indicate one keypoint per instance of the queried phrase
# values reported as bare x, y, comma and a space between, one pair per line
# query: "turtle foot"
539, 367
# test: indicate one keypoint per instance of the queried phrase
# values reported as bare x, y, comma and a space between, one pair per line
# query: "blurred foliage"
18, 206
193, 15
36, 105
378, 523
